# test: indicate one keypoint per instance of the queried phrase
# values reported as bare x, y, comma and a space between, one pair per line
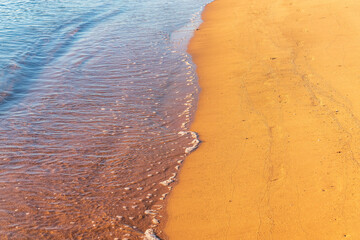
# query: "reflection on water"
93, 96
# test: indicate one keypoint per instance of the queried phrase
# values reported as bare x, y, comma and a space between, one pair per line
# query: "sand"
279, 118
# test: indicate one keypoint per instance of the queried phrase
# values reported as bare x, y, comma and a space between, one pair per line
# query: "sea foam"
195, 143
150, 235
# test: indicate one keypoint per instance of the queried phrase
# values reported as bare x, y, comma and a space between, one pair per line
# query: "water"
95, 103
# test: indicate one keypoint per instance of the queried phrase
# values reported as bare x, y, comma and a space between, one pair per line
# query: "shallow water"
95, 102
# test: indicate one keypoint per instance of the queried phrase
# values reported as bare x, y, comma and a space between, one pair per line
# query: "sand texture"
279, 117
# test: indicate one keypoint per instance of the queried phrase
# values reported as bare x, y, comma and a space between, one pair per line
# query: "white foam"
150, 235
195, 142
151, 212
182, 133
163, 196
168, 181
155, 221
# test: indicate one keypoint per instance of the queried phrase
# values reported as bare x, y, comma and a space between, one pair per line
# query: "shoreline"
278, 117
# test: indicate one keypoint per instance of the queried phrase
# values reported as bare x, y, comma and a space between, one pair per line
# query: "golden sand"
279, 117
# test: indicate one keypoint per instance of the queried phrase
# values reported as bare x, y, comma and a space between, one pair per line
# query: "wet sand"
278, 115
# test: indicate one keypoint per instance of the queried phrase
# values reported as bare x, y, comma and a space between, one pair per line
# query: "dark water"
95, 102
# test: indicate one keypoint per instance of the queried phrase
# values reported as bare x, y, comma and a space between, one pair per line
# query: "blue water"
35, 33
93, 95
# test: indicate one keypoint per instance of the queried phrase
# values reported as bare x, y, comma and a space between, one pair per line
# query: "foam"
168, 181
195, 142
163, 196
151, 212
155, 221
150, 235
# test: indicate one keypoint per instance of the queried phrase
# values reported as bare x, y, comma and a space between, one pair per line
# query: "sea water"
96, 98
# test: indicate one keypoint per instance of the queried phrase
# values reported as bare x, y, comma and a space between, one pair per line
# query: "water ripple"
92, 98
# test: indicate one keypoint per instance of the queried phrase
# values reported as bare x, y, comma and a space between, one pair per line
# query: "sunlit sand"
278, 117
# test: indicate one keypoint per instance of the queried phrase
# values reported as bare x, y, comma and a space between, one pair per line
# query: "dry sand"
279, 117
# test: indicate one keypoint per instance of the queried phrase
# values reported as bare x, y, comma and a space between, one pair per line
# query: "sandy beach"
278, 117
